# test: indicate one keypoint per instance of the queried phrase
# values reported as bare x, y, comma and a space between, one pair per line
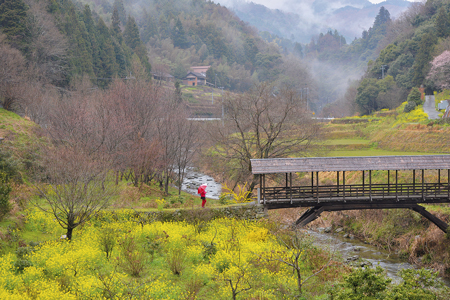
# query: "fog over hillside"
302, 20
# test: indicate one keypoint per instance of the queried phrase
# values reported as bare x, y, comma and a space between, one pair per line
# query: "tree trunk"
69, 233
299, 280
166, 184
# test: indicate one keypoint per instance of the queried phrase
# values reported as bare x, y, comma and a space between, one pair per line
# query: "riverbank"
394, 239
399, 232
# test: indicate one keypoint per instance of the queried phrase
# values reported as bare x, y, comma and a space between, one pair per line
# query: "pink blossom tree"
440, 70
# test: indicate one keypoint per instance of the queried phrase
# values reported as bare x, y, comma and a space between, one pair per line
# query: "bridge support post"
317, 187
438, 222
343, 183
309, 215
363, 181
290, 187
337, 186
423, 179
396, 185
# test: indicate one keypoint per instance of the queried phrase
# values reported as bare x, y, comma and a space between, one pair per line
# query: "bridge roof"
354, 163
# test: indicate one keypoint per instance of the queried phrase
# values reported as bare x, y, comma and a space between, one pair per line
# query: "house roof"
161, 74
324, 164
198, 75
200, 69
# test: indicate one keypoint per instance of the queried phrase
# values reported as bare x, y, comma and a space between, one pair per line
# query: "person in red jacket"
202, 191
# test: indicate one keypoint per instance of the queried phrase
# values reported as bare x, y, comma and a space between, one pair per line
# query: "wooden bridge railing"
325, 193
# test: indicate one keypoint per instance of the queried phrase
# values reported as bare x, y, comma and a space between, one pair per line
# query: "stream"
350, 249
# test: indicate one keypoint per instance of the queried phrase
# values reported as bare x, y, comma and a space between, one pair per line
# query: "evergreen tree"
298, 50
150, 28
442, 23
91, 39
164, 28
178, 95
121, 11
423, 57
381, 20
80, 61
251, 49
13, 22
132, 40
131, 34
115, 22
108, 67
179, 36
122, 59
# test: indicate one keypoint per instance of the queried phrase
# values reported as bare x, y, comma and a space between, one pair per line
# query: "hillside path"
429, 107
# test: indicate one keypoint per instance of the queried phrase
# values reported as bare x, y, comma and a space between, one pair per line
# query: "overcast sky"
279, 4
378, 1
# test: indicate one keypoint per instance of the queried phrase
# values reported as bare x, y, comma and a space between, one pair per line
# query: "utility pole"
304, 95
223, 113
382, 71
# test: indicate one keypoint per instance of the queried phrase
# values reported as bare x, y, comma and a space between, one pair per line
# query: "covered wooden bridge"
364, 195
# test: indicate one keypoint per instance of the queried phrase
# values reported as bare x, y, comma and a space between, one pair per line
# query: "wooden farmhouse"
196, 76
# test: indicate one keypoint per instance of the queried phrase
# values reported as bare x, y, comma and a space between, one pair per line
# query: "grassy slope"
21, 136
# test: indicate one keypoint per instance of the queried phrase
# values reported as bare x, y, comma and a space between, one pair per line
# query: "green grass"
346, 142
374, 152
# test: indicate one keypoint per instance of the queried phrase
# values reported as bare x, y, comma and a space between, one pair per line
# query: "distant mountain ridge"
301, 21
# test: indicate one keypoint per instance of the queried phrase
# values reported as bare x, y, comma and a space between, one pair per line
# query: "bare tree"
263, 123
296, 245
169, 126
12, 70
186, 141
136, 105
77, 186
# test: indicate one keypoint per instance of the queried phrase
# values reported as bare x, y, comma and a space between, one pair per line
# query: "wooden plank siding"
357, 163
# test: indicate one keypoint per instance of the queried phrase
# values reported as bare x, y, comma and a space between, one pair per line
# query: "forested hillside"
62, 40
412, 53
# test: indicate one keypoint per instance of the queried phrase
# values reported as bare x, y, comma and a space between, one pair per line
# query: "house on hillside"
162, 76
194, 79
196, 76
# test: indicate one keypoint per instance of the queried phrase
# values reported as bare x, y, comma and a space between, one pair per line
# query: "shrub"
176, 260
5, 189
243, 195
22, 262
131, 259
9, 166
107, 241
193, 287
177, 199
154, 244
409, 106
363, 283
415, 96
224, 199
